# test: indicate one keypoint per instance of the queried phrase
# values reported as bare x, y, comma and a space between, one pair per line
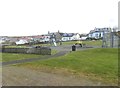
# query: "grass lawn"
15, 46
97, 64
89, 42
0, 57
15, 56
93, 43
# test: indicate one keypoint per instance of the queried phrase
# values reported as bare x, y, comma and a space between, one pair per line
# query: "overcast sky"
34, 17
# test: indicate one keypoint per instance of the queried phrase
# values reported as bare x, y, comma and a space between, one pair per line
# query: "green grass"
54, 52
93, 43
14, 56
68, 43
89, 42
47, 44
0, 57
15, 46
97, 64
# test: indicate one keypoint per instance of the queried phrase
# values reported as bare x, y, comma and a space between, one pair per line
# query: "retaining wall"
41, 51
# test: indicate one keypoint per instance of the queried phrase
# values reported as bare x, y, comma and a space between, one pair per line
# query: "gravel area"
19, 76
0, 76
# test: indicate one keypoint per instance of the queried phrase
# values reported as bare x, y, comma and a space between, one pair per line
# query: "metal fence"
110, 39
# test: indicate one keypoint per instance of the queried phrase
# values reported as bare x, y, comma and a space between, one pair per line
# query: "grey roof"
68, 34
100, 30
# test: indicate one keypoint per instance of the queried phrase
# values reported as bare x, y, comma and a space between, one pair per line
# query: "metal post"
104, 41
112, 39
118, 39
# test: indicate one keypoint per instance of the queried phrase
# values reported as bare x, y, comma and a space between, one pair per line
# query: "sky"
36, 17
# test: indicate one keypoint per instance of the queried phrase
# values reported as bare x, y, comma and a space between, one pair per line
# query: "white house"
98, 32
70, 36
83, 38
76, 36
67, 36
46, 38
3, 39
95, 35
21, 42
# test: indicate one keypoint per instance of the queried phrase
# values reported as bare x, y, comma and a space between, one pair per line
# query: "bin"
73, 48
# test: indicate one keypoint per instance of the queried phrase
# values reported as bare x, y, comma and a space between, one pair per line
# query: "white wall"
76, 37
66, 38
21, 42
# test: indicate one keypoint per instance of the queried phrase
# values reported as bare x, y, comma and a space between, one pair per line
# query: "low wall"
41, 50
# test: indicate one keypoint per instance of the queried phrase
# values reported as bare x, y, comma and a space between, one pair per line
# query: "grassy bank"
93, 43
87, 42
97, 64
15, 56
0, 57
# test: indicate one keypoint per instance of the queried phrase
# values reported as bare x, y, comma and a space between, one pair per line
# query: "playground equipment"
79, 43
53, 39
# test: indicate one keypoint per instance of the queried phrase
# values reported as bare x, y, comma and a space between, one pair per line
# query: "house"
98, 33
3, 39
67, 36
70, 36
83, 36
7, 40
76, 36
46, 38
21, 41
37, 39
57, 36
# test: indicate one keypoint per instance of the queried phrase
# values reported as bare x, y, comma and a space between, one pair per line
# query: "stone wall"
35, 50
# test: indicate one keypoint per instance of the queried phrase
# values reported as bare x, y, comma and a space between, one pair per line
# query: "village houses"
97, 33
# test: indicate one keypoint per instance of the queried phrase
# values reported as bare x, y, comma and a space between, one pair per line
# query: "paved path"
61, 53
